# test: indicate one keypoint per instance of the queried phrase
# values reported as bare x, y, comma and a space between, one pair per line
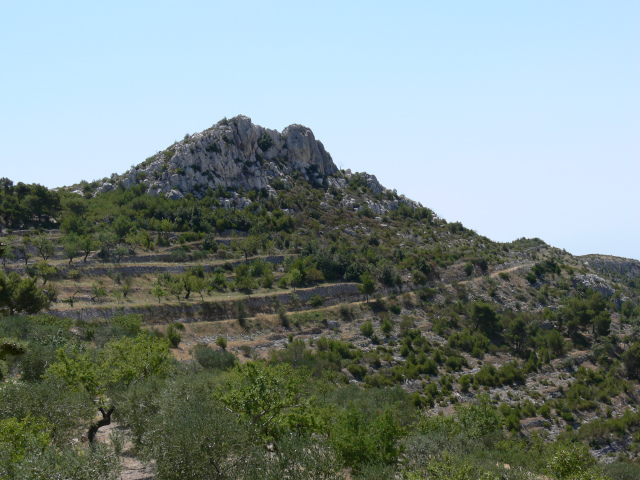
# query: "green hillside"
237, 307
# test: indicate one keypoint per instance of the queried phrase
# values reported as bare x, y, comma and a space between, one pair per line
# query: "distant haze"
515, 118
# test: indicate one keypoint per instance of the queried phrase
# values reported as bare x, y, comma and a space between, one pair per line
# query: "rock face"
616, 266
233, 153
236, 154
594, 282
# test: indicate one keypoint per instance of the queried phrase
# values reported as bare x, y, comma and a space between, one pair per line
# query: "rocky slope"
233, 154
615, 267
238, 155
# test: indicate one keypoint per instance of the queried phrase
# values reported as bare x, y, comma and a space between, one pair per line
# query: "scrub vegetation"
301, 338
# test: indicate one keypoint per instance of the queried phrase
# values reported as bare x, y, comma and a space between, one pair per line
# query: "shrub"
358, 371
569, 461
367, 329
173, 334
465, 383
362, 437
283, 316
129, 323
346, 312
468, 269
241, 313
221, 342
179, 256
210, 244
215, 359
316, 300
386, 325
265, 142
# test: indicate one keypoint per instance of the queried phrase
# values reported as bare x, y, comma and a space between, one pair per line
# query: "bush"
283, 316
386, 325
364, 437
241, 312
367, 329
316, 300
36, 360
468, 269
173, 334
358, 371
346, 312
194, 435
569, 461
210, 244
214, 359
130, 324
221, 342
179, 256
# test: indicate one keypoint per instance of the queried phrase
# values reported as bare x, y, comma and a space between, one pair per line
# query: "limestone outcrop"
239, 155
233, 153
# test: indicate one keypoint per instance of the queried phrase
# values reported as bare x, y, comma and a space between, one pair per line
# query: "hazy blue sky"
517, 118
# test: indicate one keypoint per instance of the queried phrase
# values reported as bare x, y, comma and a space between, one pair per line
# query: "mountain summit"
233, 153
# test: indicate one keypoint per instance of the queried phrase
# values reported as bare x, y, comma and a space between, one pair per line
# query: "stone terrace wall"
218, 310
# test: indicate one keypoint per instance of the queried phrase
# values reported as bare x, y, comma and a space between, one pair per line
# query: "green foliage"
158, 291
367, 426
468, 269
631, 360
217, 419
18, 437
294, 278
265, 142
267, 397
130, 323
221, 342
444, 467
119, 363
98, 292
590, 311
50, 401
316, 300
474, 420
35, 361
516, 334
44, 245
9, 347
475, 343
248, 246
546, 266
99, 463
360, 439
573, 462
173, 334
484, 317
241, 313
367, 329
19, 294
195, 437
507, 374
368, 285
215, 359
386, 326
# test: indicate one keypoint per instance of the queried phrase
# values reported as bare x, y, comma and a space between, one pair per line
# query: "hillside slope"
248, 238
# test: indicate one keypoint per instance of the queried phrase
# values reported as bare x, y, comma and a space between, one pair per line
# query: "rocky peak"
236, 154
232, 153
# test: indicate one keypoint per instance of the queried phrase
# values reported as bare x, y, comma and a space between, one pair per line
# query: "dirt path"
132, 468
506, 270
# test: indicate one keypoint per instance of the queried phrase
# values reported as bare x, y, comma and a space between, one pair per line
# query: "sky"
518, 119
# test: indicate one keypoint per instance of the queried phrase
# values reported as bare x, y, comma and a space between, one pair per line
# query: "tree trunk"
106, 420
